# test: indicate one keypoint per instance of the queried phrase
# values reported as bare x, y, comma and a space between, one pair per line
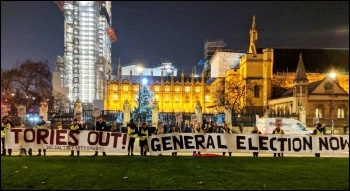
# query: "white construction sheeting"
223, 61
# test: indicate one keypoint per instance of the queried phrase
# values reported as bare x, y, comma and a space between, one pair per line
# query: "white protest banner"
174, 142
64, 139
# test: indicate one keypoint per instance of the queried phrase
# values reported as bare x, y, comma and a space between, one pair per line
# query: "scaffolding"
210, 47
87, 48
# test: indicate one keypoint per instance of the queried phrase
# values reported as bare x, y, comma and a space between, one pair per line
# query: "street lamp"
139, 70
332, 75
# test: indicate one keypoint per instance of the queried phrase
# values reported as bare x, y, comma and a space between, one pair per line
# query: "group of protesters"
142, 133
6, 123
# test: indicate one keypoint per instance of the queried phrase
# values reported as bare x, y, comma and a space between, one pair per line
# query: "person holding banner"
318, 131
101, 125
174, 130
255, 131
143, 135
227, 130
41, 124
5, 124
219, 129
75, 126
132, 132
209, 128
324, 127
197, 129
27, 125
278, 130
159, 131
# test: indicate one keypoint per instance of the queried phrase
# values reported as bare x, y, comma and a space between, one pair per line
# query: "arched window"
256, 91
318, 112
340, 113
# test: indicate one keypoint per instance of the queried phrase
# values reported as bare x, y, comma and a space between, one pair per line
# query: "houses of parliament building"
243, 81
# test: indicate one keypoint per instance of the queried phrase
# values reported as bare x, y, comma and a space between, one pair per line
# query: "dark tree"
27, 83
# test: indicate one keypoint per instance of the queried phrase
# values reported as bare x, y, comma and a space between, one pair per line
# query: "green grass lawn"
174, 173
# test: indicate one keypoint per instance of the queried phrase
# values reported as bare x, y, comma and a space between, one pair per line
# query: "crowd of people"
142, 133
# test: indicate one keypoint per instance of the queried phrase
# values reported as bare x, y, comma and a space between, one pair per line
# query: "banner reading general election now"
181, 142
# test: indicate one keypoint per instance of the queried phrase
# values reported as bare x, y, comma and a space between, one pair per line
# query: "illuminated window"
187, 99
126, 88
136, 88
177, 88
318, 112
197, 89
167, 88
340, 113
156, 88
115, 97
187, 89
114, 88
166, 98
156, 97
176, 98
207, 98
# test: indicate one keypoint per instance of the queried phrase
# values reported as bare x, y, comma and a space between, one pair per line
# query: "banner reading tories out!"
181, 142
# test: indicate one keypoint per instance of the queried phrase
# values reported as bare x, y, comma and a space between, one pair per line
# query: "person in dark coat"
132, 132
318, 131
101, 125
174, 129
278, 130
143, 134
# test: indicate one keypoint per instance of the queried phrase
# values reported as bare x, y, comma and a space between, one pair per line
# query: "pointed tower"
172, 78
300, 92
120, 74
192, 77
253, 38
151, 78
182, 77
256, 71
130, 77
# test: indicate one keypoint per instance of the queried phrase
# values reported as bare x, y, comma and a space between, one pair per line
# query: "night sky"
148, 32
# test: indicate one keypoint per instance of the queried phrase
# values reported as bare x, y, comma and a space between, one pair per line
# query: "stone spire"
253, 33
300, 74
119, 72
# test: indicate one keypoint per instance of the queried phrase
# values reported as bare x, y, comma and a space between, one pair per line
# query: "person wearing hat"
318, 131
41, 124
132, 132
